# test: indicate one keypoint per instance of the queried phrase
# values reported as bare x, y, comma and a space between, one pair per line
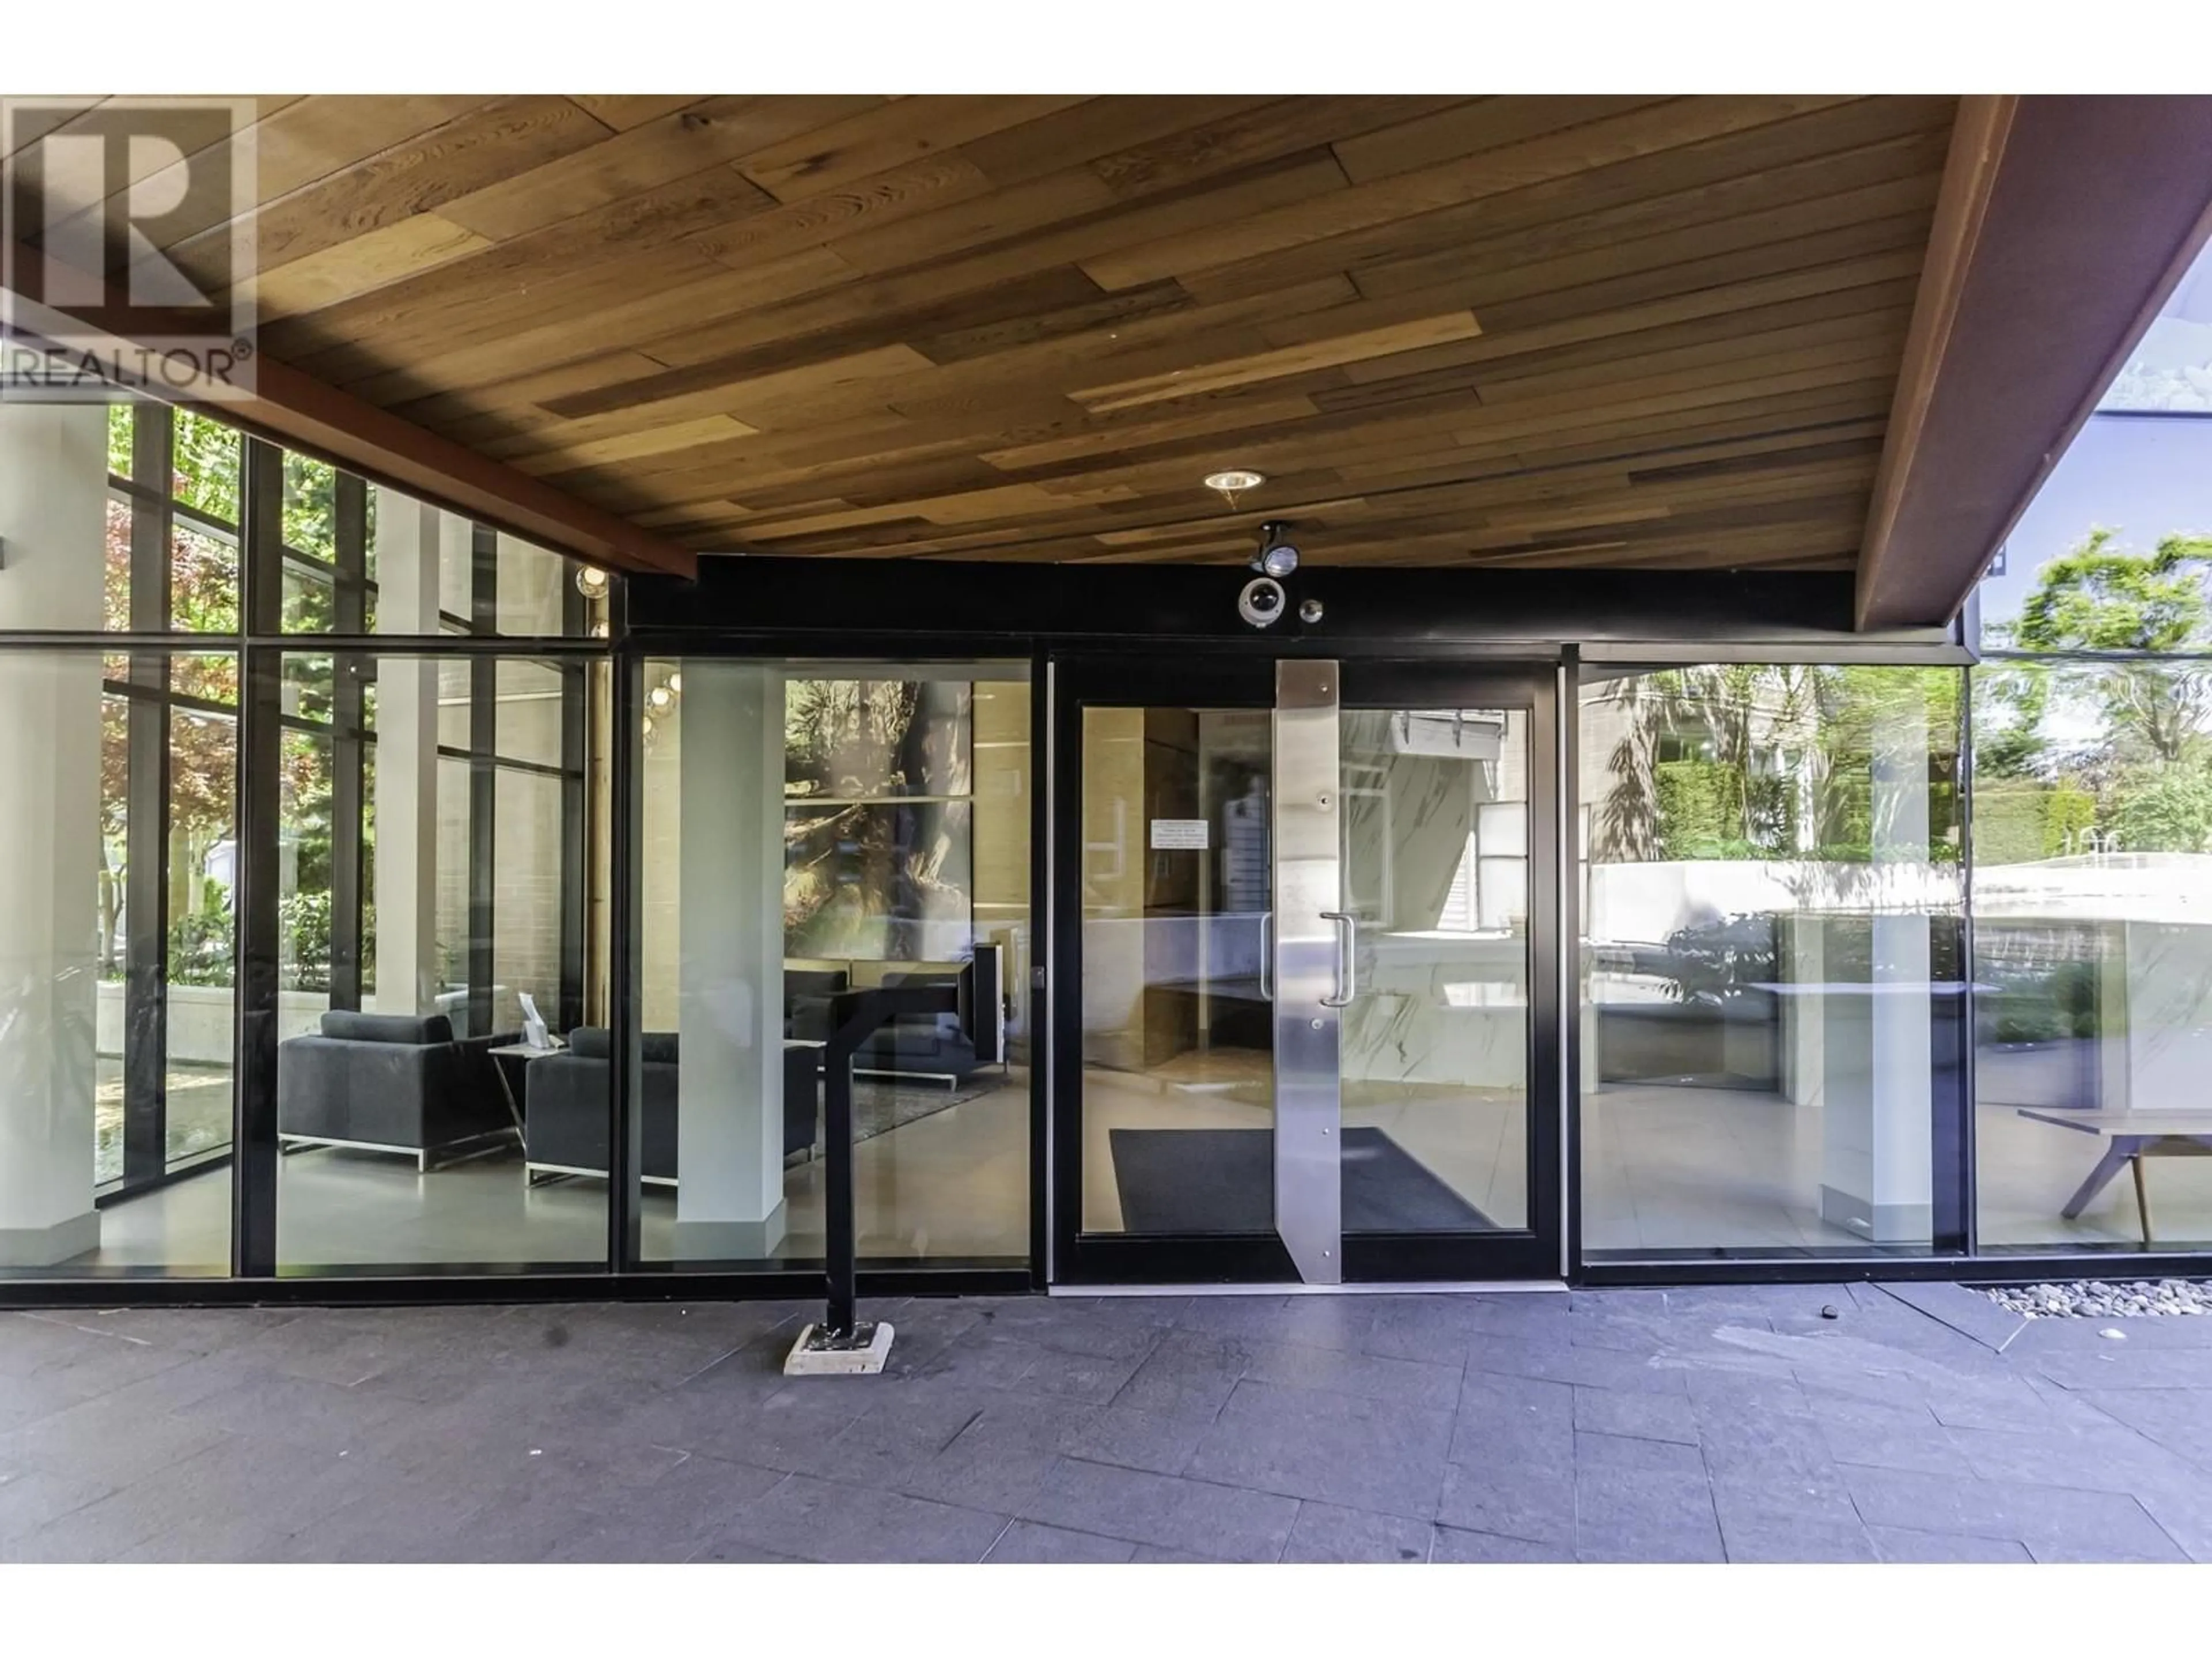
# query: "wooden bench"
2134, 1136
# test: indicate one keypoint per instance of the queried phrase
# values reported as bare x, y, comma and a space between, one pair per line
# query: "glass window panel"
120, 432
2092, 943
115, 581
1771, 976
530, 713
1502, 893
205, 461
532, 591
447, 972
304, 853
526, 897
54, 487
2170, 369
901, 853
433, 1157
310, 507
112, 954
213, 677
859, 740
310, 600
203, 945
879, 882
456, 677
535, 589
203, 581
310, 685
1435, 1040
2125, 487
1176, 1035
456, 566
124, 1018
1502, 829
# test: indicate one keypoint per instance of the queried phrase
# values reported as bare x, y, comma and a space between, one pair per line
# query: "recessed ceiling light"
1235, 479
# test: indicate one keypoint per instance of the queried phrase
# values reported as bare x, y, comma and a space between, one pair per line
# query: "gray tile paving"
1455, 1544
1026, 1541
1368, 1454
829, 1521
1935, 1549
1326, 1533
1640, 1515
1226, 1523
1642, 1425
1532, 1501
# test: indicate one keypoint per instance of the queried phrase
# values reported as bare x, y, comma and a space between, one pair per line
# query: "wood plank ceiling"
1514, 331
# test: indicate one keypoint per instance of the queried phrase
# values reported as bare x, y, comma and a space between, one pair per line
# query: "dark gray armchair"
391, 1083
565, 1105
939, 1048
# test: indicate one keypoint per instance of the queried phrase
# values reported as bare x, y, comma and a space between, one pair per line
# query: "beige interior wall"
1113, 877
1174, 885
1003, 783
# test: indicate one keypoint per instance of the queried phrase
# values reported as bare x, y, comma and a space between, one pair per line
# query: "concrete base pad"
814, 1356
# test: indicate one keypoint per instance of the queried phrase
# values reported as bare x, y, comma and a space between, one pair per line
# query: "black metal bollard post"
843, 1344
839, 1250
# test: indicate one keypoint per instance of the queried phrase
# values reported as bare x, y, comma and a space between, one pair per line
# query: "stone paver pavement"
1705, 1425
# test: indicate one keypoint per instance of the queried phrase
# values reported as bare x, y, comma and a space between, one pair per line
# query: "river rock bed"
2134, 1298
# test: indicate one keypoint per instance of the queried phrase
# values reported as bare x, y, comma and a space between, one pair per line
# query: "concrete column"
729, 1198
1800, 950
406, 801
53, 492
1878, 1179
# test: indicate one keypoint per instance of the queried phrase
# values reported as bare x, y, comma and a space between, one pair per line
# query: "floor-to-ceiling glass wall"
427, 857
812, 830
434, 881
1770, 866
2092, 827
118, 857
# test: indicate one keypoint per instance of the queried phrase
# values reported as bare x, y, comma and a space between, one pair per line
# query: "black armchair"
937, 1047
565, 1105
391, 1083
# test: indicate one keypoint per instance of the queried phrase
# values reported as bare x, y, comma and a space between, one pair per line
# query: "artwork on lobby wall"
877, 819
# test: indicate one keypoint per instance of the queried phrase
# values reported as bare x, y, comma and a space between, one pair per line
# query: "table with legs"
2131, 1137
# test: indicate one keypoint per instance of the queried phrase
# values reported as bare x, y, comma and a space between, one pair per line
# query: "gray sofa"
565, 1105
392, 1083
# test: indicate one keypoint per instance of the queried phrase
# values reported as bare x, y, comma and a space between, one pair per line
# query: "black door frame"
1078, 681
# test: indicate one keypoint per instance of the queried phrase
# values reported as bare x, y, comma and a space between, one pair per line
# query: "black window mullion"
348, 707
575, 809
626, 952
1954, 1223
260, 812
146, 824
483, 776
575, 837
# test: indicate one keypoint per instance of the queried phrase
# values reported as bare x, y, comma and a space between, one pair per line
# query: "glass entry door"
1305, 996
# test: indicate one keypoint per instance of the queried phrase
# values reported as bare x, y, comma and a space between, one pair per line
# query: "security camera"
1276, 557
1261, 601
